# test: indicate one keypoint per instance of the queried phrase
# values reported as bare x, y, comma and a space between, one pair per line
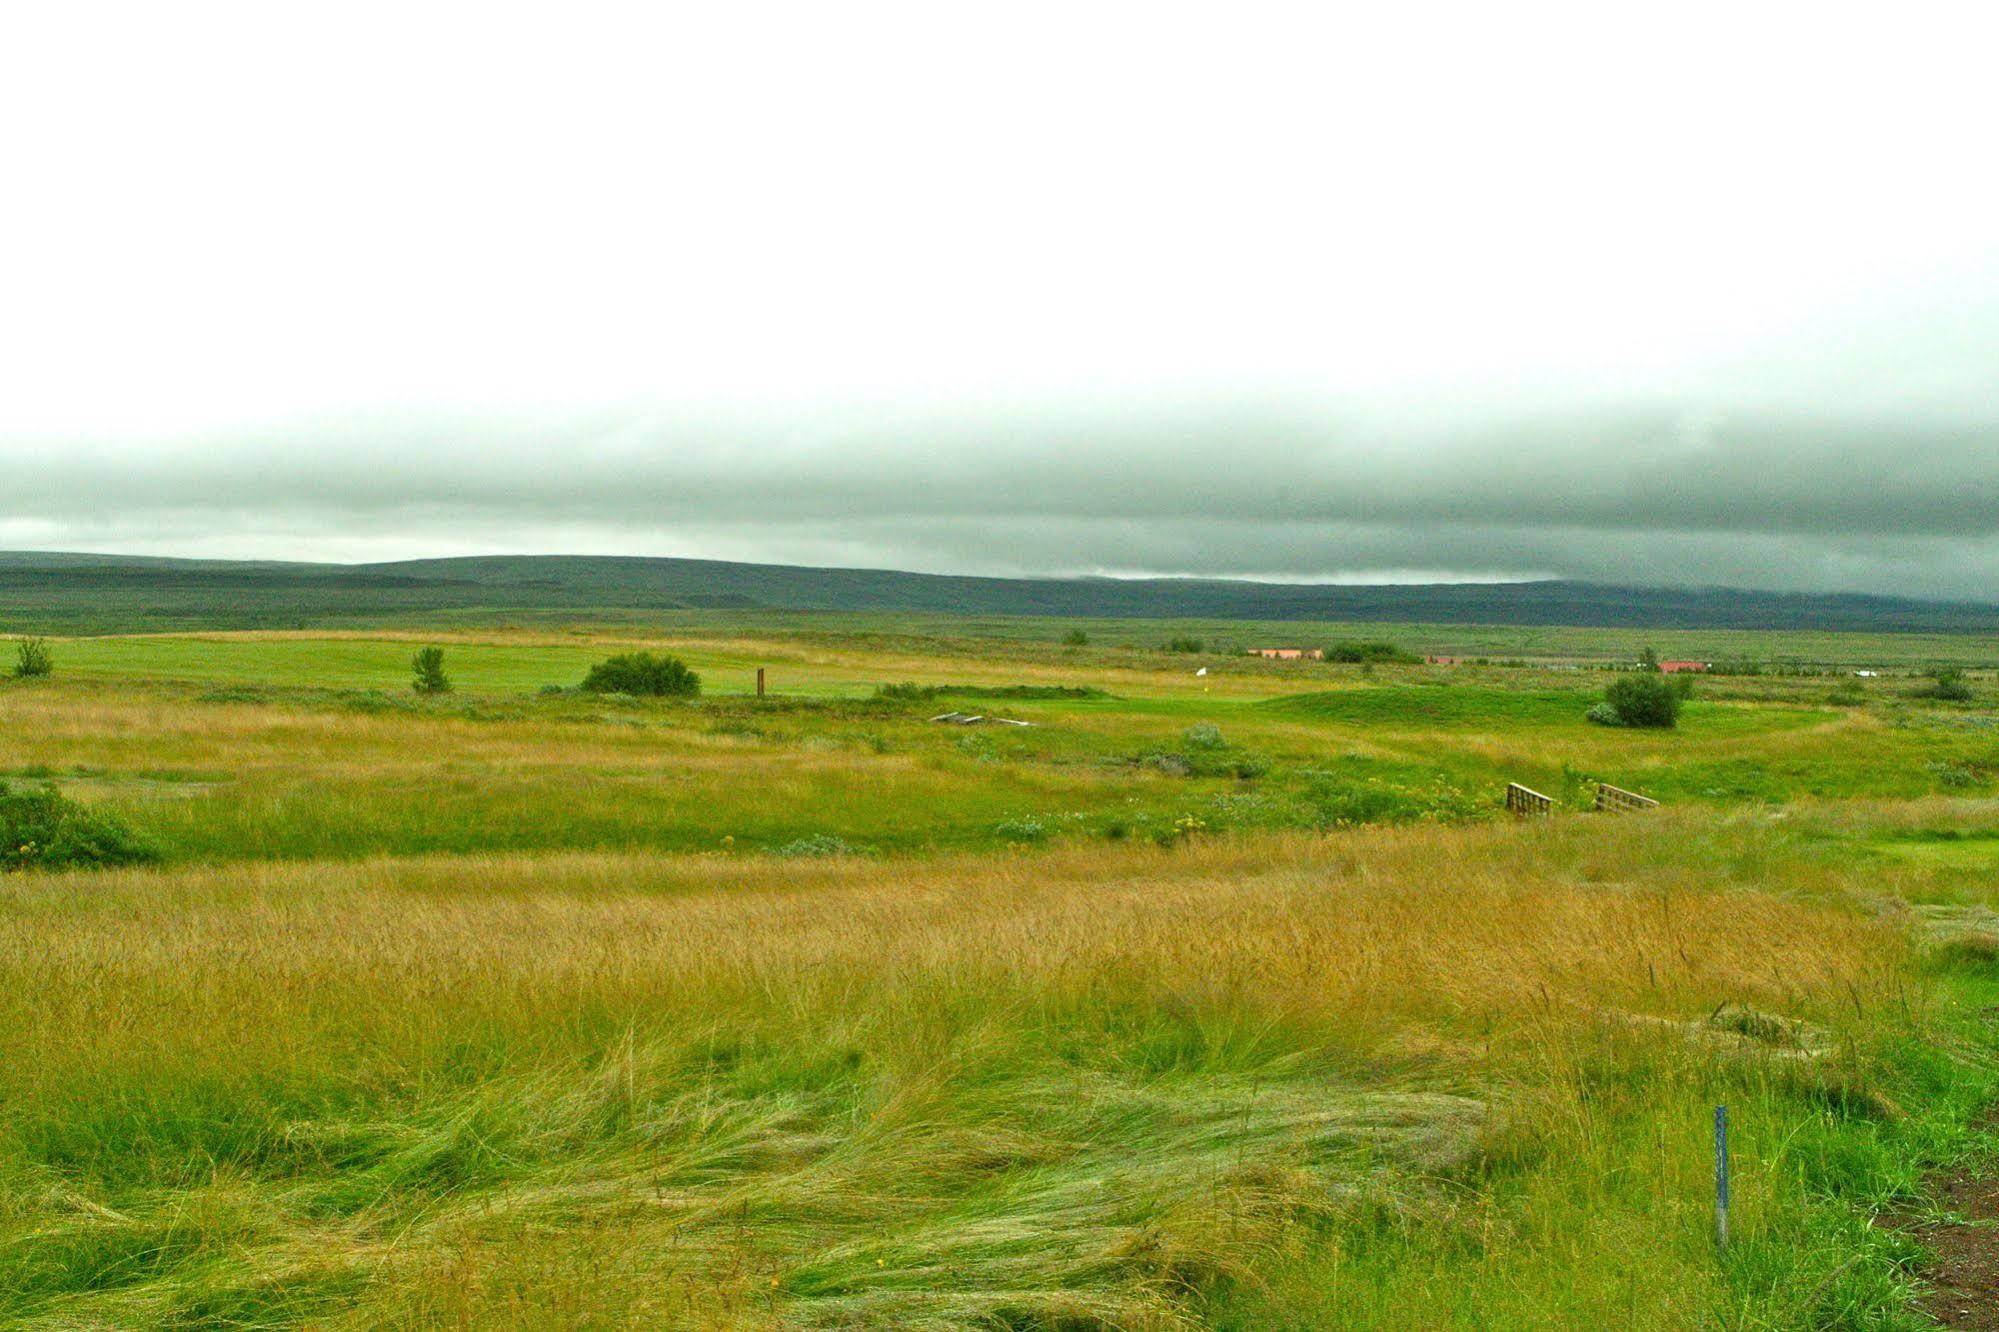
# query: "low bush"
1204, 755
1075, 638
646, 674
817, 846
1027, 829
1953, 775
1186, 645
1947, 684
40, 828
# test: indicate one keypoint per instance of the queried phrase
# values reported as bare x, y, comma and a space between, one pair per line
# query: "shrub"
44, 829
908, 691
1075, 638
1645, 699
32, 658
1186, 645
1246, 767
1365, 651
1947, 683
427, 668
1851, 694
644, 673
1603, 715
1203, 735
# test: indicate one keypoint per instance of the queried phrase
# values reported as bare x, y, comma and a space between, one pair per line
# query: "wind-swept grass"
1120, 1088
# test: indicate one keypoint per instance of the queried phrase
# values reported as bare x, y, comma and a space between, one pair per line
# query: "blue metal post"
1721, 1177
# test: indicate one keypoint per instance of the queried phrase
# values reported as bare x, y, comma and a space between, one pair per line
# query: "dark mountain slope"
70, 593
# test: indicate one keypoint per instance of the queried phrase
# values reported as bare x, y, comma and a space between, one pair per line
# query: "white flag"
1202, 671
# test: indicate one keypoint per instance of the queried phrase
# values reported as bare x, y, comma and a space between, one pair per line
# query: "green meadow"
1230, 1000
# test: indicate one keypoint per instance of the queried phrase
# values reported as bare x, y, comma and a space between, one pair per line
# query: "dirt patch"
1963, 1279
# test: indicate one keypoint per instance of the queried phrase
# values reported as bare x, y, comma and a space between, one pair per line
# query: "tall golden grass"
1114, 1086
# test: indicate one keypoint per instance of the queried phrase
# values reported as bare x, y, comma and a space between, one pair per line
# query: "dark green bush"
1643, 698
1360, 651
40, 828
427, 669
1076, 638
32, 658
651, 674
1186, 645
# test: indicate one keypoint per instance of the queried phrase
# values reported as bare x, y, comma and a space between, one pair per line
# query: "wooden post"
760, 682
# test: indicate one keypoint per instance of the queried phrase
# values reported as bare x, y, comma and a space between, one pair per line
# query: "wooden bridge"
1526, 802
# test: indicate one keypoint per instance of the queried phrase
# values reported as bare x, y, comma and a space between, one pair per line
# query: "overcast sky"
1372, 292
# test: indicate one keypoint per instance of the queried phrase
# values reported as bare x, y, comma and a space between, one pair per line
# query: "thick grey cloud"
1660, 487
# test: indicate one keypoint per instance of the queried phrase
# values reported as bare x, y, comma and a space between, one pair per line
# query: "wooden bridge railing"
1527, 802
1617, 800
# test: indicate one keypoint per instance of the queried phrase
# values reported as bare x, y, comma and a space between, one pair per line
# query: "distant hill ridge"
63, 592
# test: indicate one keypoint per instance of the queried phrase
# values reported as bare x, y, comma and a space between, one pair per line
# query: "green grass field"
1227, 1001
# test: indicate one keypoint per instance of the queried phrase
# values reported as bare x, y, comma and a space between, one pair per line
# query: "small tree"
654, 675
32, 658
427, 666
1075, 638
1648, 660
1644, 699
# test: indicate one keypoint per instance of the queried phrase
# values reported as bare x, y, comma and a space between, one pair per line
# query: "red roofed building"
1675, 667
